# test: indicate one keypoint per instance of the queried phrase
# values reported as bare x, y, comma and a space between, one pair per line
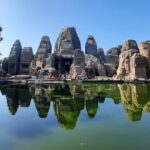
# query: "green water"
75, 117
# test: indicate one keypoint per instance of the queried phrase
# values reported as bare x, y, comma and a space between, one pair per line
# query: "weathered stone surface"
93, 66
20, 77
101, 54
114, 51
67, 42
129, 44
112, 59
91, 46
41, 57
110, 70
50, 61
14, 58
5, 64
132, 65
45, 48
46, 70
25, 60
49, 70
111, 64
77, 69
68, 61
124, 69
145, 51
138, 67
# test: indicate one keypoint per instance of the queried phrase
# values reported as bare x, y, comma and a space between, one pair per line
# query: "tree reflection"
69, 100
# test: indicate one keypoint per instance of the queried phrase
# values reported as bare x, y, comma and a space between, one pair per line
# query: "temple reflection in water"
69, 100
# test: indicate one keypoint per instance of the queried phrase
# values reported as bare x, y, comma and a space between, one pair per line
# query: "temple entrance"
62, 64
67, 64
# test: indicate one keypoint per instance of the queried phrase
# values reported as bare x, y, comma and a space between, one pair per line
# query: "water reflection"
69, 100
134, 99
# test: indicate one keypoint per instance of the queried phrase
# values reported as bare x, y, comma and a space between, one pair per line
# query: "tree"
0, 33
1, 58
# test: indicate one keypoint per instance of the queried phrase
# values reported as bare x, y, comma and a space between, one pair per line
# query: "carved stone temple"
128, 61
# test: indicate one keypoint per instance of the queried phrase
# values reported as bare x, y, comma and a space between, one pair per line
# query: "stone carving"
129, 44
44, 49
124, 69
125, 61
77, 70
110, 69
43, 52
67, 42
112, 61
5, 64
138, 67
145, 51
14, 58
132, 65
91, 46
49, 70
25, 60
93, 66
101, 54
114, 51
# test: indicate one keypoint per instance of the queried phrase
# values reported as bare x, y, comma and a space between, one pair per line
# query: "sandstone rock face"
114, 51
93, 66
138, 67
101, 54
112, 61
67, 42
5, 64
129, 44
14, 58
77, 69
45, 48
132, 65
111, 64
124, 69
110, 70
49, 70
91, 46
145, 51
45, 70
43, 52
50, 61
25, 60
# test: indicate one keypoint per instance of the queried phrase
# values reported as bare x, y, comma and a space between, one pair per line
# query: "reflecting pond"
75, 117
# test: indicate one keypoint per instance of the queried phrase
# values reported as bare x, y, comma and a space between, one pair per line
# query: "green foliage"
0, 33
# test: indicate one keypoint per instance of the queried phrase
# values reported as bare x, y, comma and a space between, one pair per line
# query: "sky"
111, 22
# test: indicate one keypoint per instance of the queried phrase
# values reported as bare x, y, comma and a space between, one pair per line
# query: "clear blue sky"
109, 21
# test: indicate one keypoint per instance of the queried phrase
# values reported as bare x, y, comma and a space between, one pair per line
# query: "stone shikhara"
128, 61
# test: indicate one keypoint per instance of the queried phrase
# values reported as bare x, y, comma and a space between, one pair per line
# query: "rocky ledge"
127, 62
